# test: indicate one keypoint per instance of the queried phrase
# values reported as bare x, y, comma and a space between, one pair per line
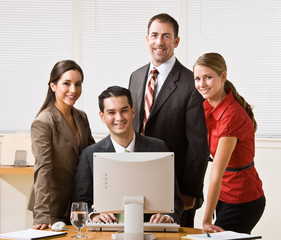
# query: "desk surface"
11, 170
107, 235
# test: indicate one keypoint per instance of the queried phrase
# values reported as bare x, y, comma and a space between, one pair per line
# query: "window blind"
107, 38
34, 36
247, 34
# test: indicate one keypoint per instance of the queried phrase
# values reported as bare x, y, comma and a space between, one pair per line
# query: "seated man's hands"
103, 217
109, 218
41, 226
160, 218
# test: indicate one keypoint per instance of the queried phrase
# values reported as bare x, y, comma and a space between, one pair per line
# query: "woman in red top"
235, 189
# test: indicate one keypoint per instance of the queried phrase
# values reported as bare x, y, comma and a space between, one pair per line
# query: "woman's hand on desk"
103, 217
160, 218
41, 226
208, 227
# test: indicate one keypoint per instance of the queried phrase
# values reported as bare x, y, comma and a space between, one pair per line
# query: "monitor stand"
133, 220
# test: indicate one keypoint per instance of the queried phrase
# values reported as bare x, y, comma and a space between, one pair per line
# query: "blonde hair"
217, 63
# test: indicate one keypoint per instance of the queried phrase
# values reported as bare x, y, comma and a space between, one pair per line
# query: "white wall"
14, 196
268, 165
14, 193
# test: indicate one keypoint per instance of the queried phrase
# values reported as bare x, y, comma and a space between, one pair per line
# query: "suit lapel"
141, 79
167, 89
107, 145
140, 145
80, 122
64, 129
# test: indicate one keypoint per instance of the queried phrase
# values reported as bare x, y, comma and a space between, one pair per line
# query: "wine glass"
79, 217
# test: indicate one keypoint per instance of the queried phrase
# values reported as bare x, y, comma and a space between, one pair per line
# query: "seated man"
117, 112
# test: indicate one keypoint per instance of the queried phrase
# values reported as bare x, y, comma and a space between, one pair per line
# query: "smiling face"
68, 89
209, 84
161, 42
118, 116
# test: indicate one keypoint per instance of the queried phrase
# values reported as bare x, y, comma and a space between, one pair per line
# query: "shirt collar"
218, 111
120, 149
165, 68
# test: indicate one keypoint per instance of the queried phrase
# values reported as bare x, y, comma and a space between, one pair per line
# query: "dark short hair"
165, 18
114, 91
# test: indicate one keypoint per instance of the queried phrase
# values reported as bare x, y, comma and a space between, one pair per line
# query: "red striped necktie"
149, 97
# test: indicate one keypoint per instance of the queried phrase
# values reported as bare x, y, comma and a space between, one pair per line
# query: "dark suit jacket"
56, 154
177, 117
83, 183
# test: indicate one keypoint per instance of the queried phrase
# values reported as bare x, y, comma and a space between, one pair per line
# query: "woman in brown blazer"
58, 134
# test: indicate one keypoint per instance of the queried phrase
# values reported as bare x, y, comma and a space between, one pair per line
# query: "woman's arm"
42, 151
224, 151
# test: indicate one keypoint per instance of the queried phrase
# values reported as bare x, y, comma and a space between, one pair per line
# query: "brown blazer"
56, 154
177, 117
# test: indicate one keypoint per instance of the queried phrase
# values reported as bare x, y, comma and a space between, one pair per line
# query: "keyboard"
148, 227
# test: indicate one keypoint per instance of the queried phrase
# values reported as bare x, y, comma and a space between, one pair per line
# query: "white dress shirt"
120, 149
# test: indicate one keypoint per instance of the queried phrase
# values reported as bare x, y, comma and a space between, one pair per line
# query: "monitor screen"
146, 174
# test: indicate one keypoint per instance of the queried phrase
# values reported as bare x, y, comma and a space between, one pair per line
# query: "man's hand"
104, 217
160, 218
41, 226
188, 201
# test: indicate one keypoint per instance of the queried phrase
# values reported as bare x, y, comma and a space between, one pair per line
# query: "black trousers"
187, 217
240, 217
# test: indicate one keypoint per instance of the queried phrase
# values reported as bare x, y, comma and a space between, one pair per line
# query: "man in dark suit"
117, 112
176, 115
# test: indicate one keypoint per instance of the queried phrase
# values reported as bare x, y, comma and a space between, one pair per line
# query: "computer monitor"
136, 183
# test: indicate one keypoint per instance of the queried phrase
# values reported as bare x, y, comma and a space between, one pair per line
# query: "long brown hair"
58, 70
217, 63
